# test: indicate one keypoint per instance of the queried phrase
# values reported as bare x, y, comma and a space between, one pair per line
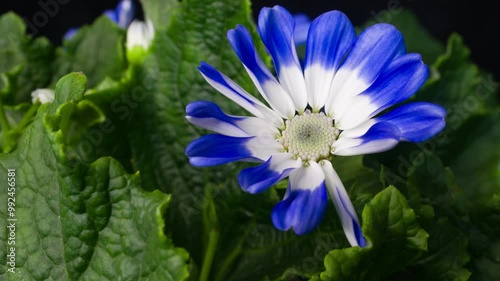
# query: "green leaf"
485, 268
362, 183
97, 50
12, 28
159, 12
78, 221
433, 184
483, 230
18, 117
394, 239
479, 177
25, 63
447, 254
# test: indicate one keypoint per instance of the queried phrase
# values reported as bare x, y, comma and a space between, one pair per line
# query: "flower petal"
302, 24
305, 201
398, 82
125, 13
234, 92
208, 115
343, 205
42, 95
375, 48
140, 33
215, 149
276, 27
380, 137
265, 82
112, 15
276, 168
417, 121
330, 37
211, 150
70, 33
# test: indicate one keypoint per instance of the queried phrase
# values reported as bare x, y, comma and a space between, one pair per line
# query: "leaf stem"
228, 261
28, 116
209, 254
4, 123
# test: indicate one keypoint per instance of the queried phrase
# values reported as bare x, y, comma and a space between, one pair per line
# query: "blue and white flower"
336, 105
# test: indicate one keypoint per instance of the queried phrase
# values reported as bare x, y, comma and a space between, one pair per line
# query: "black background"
478, 22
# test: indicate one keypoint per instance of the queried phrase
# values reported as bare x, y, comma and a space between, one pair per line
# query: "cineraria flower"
339, 104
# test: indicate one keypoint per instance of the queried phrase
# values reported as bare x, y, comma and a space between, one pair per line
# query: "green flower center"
309, 136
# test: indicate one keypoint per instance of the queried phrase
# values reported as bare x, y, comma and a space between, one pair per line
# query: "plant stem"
229, 260
213, 239
27, 117
3, 120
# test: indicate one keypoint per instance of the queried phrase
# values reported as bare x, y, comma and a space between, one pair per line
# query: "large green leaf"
478, 177
159, 11
486, 266
394, 239
78, 221
97, 50
484, 239
447, 254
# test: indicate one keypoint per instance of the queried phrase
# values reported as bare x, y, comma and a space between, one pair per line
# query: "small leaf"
394, 236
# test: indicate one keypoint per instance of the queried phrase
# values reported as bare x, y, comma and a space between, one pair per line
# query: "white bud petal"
140, 33
43, 95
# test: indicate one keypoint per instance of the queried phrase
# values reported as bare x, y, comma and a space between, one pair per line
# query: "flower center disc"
309, 136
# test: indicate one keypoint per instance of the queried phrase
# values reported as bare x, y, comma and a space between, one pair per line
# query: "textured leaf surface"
77, 221
96, 50
159, 11
395, 239
479, 177
447, 254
